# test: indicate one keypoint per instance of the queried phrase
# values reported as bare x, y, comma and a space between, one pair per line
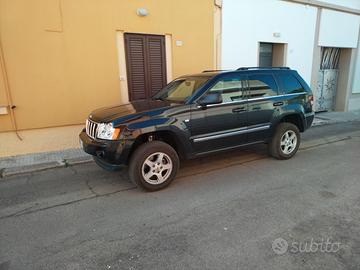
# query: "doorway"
327, 79
145, 65
272, 54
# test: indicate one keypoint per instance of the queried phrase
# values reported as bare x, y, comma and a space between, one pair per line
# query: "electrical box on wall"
276, 34
3, 110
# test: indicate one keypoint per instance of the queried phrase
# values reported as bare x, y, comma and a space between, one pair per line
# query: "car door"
222, 125
262, 104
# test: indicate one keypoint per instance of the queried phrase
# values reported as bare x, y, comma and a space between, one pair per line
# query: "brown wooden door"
146, 65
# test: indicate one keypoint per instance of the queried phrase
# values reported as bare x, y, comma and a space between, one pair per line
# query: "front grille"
91, 128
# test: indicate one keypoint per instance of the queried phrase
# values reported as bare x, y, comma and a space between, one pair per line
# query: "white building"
320, 39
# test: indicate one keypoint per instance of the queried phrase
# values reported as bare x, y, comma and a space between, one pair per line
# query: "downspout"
60, 28
8, 92
6, 78
218, 5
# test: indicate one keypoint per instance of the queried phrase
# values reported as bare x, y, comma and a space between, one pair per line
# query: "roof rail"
213, 70
247, 68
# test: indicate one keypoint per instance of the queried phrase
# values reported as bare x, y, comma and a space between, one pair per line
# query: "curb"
8, 172
324, 121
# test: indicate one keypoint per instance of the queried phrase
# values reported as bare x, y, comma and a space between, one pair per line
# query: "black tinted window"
262, 85
229, 89
289, 84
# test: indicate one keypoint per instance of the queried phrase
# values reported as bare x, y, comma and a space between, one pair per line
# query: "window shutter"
156, 62
135, 58
146, 65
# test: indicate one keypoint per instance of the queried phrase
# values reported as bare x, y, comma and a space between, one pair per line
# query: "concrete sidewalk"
41, 161
324, 118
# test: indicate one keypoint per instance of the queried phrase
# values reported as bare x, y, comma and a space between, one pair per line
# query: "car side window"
230, 89
289, 84
262, 85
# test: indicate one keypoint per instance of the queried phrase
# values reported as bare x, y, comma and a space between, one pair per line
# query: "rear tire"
285, 141
153, 165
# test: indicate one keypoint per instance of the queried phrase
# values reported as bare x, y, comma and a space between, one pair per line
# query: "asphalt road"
238, 210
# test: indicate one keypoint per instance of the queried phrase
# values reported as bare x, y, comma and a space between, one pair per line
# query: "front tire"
153, 165
285, 142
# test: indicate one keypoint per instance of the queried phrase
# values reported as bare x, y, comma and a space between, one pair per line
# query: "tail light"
311, 100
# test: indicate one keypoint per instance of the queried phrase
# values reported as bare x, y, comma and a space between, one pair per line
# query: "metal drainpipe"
8, 92
218, 43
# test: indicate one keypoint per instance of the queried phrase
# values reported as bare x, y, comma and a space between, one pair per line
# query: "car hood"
131, 112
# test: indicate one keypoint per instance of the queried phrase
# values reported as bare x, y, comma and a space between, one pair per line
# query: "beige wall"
5, 119
61, 56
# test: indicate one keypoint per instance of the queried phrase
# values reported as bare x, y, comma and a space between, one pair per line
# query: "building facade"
60, 59
320, 39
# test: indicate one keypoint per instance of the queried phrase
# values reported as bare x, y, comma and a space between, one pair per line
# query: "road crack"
17, 214
91, 188
326, 143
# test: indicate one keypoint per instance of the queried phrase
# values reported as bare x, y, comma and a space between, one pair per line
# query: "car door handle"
238, 110
278, 103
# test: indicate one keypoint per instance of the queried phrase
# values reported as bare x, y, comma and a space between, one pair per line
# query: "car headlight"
107, 131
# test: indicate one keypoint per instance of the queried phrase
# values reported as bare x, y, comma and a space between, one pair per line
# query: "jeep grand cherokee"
199, 114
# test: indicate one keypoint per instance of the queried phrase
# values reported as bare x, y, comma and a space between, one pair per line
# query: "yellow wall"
61, 55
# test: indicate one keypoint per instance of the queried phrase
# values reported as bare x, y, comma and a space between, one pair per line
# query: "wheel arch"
295, 118
168, 136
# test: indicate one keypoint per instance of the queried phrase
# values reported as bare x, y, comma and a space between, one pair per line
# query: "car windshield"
181, 89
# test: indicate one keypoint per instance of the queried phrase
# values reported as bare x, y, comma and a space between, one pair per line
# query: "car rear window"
289, 84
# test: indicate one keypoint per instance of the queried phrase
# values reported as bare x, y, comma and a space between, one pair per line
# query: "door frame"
281, 52
147, 71
122, 64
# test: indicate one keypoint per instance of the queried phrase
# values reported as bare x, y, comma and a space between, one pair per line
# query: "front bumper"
113, 152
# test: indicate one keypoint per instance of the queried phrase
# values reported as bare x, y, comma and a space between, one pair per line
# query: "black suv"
200, 114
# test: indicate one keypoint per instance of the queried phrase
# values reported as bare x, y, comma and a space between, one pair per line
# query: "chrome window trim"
283, 95
240, 131
253, 99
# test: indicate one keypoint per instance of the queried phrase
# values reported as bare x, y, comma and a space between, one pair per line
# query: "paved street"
221, 212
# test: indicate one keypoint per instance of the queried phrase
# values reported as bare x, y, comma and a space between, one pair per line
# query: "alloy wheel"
157, 168
288, 142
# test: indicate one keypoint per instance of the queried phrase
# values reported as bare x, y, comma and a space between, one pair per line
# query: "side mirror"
211, 98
